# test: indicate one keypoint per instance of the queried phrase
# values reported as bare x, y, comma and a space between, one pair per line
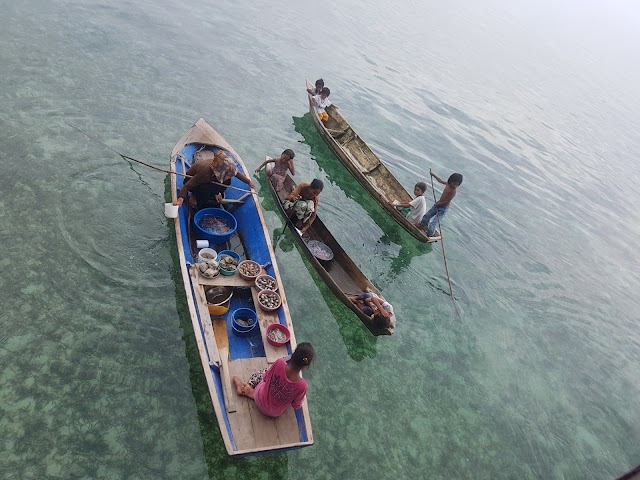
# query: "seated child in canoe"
282, 165
377, 308
417, 207
429, 221
322, 102
301, 204
279, 386
318, 89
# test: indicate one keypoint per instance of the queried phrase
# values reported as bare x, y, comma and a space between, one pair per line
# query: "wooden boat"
365, 165
341, 274
245, 430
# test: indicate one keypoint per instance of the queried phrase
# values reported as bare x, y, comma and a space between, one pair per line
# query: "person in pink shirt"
279, 386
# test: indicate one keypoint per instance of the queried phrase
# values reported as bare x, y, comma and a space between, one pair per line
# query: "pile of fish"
228, 263
215, 225
269, 300
209, 268
245, 322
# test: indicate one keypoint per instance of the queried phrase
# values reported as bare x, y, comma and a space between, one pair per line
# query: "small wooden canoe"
341, 274
245, 430
365, 165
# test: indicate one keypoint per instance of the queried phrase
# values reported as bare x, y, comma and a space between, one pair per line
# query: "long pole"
444, 255
126, 157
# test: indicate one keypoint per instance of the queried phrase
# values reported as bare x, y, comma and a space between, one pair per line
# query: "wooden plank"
264, 320
201, 305
264, 428
240, 420
234, 280
222, 340
287, 426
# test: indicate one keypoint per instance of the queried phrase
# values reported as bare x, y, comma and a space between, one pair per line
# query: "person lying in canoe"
283, 165
417, 207
204, 193
301, 204
322, 102
279, 386
377, 308
318, 89
429, 221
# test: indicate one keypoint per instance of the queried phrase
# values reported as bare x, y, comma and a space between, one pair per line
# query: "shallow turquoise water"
535, 105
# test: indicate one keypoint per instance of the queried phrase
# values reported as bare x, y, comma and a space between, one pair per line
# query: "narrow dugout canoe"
364, 165
341, 274
245, 430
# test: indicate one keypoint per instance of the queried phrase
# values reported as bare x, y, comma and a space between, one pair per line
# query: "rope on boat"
127, 158
444, 255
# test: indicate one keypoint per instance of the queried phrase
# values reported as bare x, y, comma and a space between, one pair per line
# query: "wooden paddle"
222, 340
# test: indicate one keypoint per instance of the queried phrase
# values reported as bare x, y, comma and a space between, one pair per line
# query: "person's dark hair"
326, 91
303, 355
289, 152
455, 178
320, 82
422, 186
380, 322
317, 184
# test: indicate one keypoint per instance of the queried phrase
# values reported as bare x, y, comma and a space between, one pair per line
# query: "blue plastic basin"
244, 313
215, 238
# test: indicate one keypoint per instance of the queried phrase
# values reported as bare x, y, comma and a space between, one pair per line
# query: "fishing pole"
444, 255
127, 158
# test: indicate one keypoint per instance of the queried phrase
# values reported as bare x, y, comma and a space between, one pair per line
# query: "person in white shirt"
322, 102
417, 206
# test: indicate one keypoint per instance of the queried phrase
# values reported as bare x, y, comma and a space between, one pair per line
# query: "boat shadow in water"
340, 176
213, 447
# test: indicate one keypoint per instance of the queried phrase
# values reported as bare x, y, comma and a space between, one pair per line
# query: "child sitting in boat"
279, 386
417, 207
318, 89
377, 308
441, 207
282, 165
322, 102
301, 204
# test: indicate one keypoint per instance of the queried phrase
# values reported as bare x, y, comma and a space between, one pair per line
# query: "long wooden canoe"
341, 274
245, 430
364, 165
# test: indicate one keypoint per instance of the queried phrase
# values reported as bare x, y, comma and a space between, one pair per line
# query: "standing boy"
441, 207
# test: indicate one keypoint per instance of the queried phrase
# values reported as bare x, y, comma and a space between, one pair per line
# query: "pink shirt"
276, 392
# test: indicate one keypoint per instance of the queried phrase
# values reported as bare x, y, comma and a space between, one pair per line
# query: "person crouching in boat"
301, 204
318, 89
282, 165
322, 102
377, 308
208, 181
279, 386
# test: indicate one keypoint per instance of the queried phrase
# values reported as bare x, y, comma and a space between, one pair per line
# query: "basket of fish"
209, 268
215, 224
249, 270
228, 260
278, 335
266, 282
269, 300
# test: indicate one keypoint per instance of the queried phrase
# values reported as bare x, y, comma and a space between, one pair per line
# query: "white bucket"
202, 243
207, 254
170, 210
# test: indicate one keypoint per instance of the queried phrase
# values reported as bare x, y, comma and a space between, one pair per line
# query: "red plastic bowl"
283, 329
